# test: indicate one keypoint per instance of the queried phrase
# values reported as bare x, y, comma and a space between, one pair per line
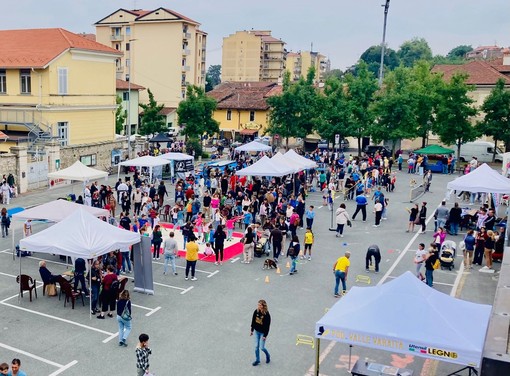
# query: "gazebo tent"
280, 160
145, 161
78, 171
483, 179
160, 138
434, 149
299, 159
265, 167
80, 235
180, 163
253, 146
58, 210
406, 316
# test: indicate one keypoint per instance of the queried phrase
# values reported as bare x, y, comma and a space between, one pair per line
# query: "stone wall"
102, 151
7, 164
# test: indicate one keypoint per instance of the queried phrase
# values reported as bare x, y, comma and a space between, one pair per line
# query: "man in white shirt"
6, 193
473, 163
88, 196
170, 251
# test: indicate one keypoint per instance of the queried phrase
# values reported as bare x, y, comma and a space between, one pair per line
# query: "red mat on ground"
229, 252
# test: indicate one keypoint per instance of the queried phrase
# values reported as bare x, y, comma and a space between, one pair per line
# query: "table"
69, 275
362, 368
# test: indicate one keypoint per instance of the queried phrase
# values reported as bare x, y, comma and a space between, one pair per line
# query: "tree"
196, 115
120, 117
212, 77
424, 86
360, 93
334, 73
372, 56
394, 108
152, 121
413, 50
455, 109
335, 110
459, 52
294, 113
496, 122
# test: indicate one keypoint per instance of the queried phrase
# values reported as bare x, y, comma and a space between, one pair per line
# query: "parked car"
172, 132
372, 149
482, 150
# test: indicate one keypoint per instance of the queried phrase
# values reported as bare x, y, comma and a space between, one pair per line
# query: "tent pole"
90, 289
350, 353
317, 356
13, 248
118, 171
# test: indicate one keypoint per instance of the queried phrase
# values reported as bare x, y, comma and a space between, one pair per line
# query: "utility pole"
383, 44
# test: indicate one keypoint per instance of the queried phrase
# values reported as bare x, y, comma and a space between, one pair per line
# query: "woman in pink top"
215, 201
439, 238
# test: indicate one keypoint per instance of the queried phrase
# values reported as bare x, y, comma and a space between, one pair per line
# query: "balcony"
186, 68
185, 83
186, 35
186, 51
117, 37
202, 72
120, 69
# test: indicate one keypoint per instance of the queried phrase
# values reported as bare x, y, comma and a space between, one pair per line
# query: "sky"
339, 29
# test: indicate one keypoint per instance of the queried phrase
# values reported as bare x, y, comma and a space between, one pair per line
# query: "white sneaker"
216, 263
309, 258
194, 279
341, 235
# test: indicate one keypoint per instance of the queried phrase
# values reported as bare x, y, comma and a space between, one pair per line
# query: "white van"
482, 150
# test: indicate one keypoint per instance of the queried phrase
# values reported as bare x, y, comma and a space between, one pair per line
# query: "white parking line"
152, 311
9, 252
57, 318
110, 337
188, 289
435, 282
235, 259
142, 307
213, 273
63, 368
37, 357
8, 275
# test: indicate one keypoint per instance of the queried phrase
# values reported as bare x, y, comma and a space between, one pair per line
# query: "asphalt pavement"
204, 330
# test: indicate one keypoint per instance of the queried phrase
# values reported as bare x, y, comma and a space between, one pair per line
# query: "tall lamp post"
383, 45
129, 99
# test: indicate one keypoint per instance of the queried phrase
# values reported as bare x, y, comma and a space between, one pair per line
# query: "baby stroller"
447, 256
262, 245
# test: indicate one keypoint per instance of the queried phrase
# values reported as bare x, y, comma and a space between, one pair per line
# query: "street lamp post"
129, 99
383, 45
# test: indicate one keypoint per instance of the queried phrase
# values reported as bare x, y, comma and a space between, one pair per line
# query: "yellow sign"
252, 126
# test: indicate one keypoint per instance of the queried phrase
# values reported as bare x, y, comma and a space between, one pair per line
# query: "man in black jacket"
455, 217
276, 237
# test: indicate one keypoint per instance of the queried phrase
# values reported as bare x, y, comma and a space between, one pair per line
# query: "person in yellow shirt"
340, 269
308, 244
191, 257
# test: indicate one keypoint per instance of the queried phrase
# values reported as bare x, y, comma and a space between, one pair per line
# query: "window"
26, 81
62, 81
229, 115
127, 46
128, 30
3, 81
252, 115
63, 132
88, 160
125, 96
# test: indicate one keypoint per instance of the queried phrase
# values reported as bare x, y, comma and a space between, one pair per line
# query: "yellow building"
298, 64
252, 56
56, 84
164, 51
242, 108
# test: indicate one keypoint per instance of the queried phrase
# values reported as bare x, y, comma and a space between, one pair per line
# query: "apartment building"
298, 64
163, 51
55, 84
251, 56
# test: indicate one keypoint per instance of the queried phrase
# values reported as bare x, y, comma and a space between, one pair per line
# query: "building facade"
129, 93
298, 64
164, 51
251, 56
242, 109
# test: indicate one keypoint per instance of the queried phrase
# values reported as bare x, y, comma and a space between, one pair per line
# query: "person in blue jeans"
170, 252
260, 324
341, 268
293, 253
124, 304
95, 285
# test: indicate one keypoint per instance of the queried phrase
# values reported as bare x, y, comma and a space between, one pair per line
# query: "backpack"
437, 264
115, 285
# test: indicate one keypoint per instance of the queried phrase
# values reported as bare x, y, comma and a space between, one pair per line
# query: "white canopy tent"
176, 156
280, 159
483, 179
180, 164
253, 146
78, 171
299, 160
145, 161
58, 210
406, 316
80, 235
265, 167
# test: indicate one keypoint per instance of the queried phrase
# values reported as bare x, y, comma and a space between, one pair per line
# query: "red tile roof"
167, 110
244, 95
124, 85
480, 72
36, 48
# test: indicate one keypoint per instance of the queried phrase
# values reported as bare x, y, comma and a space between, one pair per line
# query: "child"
180, 216
208, 251
248, 218
308, 244
142, 354
206, 229
199, 225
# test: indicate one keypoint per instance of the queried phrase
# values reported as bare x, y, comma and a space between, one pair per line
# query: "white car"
172, 132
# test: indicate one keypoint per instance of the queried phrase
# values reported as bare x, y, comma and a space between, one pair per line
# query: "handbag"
126, 315
51, 290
